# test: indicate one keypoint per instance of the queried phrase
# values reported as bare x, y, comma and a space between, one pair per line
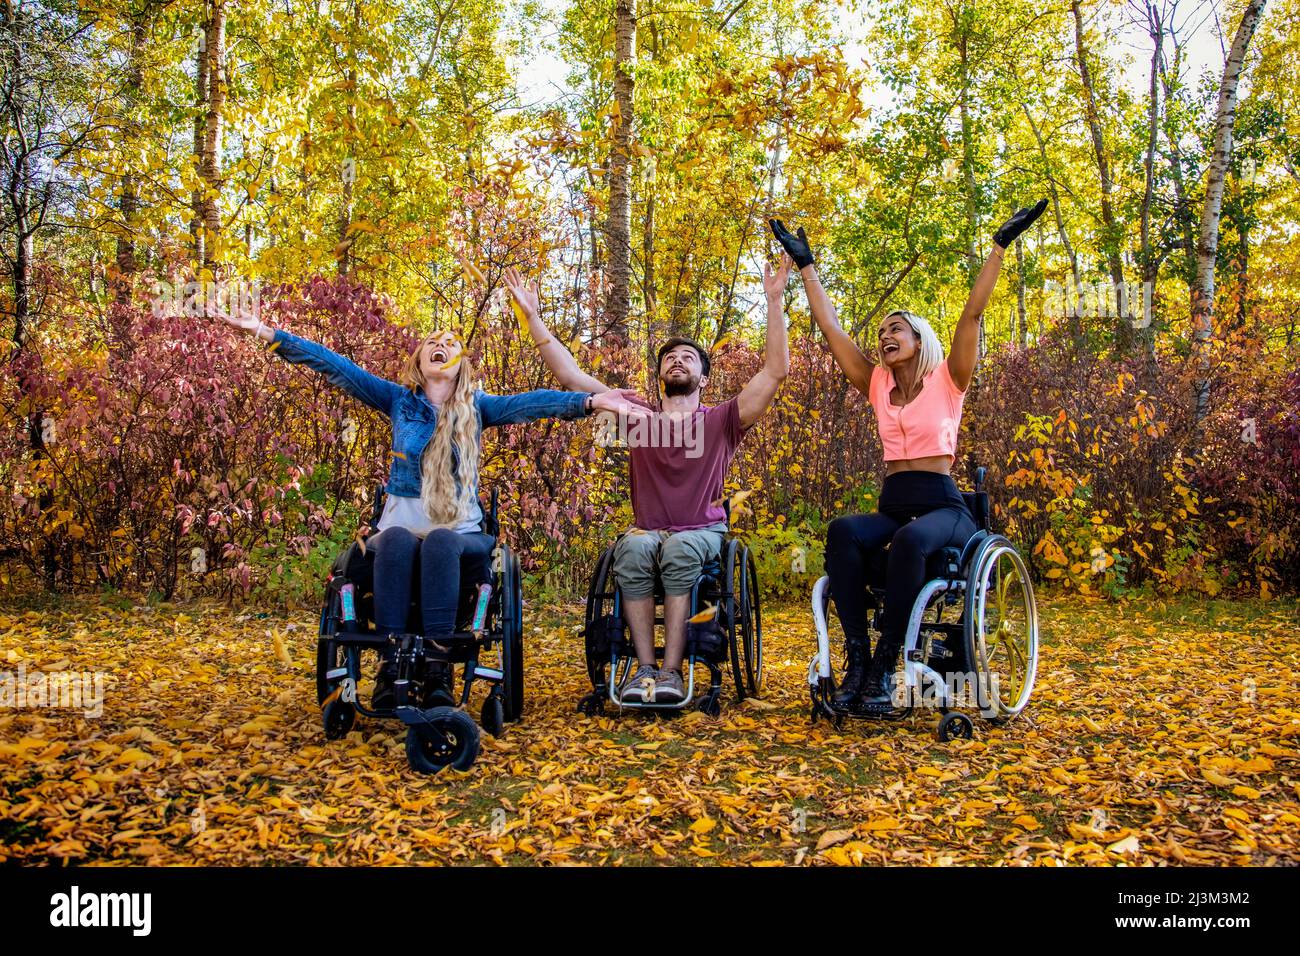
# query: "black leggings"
921, 512
444, 556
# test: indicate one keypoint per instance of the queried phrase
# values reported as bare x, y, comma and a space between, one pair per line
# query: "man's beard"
672, 388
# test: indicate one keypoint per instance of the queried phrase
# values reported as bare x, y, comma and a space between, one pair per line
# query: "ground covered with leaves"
1158, 734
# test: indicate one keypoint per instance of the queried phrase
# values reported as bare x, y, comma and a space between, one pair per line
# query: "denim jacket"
412, 414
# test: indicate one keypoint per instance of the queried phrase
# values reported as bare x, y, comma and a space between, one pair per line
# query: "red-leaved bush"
183, 456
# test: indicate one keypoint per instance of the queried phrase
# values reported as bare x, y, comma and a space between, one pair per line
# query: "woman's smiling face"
898, 343
440, 355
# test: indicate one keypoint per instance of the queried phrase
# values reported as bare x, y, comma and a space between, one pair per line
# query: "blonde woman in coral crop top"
917, 394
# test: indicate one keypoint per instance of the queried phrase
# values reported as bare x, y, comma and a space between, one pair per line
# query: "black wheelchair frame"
733, 635
440, 732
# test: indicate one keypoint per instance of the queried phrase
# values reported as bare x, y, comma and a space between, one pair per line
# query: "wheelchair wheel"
330, 654
745, 620
599, 600
753, 630
447, 738
733, 611
493, 717
338, 718
1001, 627
512, 636
956, 726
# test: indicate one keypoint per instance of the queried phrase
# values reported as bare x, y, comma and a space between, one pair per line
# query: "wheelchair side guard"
916, 669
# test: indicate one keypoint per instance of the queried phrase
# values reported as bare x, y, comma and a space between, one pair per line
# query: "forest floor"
1159, 733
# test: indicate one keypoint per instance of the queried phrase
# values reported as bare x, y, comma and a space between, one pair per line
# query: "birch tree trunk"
1110, 230
1148, 262
1207, 246
618, 242
210, 165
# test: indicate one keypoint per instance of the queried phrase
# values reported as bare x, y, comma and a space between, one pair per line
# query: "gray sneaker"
669, 688
639, 688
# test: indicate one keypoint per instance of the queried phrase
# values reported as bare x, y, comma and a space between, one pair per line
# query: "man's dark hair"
680, 340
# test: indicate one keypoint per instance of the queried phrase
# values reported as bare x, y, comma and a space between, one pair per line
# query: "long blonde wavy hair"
457, 429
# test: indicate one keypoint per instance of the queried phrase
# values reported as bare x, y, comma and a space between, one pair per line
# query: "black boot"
383, 697
437, 689
858, 653
877, 689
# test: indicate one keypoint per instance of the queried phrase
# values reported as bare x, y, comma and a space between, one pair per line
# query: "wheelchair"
974, 622
732, 636
440, 733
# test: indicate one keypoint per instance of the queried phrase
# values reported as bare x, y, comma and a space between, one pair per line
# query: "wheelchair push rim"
512, 636
598, 594
745, 629
1002, 627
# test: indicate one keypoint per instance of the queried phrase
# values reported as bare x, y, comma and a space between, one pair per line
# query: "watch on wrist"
590, 404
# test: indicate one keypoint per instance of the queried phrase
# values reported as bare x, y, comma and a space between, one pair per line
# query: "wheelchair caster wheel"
955, 726
445, 738
493, 717
711, 706
592, 706
338, 717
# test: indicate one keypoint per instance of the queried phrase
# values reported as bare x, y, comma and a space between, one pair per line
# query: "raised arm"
855, 363
565, 368
379, 393
966, 337
758, 393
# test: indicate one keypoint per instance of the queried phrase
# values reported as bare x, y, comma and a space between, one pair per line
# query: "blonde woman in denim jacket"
432, 506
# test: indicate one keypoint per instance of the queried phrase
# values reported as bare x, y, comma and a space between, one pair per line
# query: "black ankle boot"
437, 689
858, 653
877, 688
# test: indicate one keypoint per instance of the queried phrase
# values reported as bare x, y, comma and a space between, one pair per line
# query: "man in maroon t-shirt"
678, 460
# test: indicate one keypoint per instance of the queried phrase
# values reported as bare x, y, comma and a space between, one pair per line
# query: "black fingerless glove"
1017, 224
796, 246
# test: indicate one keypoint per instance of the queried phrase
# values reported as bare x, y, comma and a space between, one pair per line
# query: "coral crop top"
927, 425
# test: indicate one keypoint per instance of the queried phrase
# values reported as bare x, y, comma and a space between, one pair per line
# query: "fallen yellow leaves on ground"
1158, 734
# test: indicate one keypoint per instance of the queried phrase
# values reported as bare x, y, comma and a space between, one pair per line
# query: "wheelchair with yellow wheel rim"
971, 641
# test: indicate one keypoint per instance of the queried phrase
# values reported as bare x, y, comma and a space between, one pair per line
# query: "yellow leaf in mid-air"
703, 617
473, 275
281, 652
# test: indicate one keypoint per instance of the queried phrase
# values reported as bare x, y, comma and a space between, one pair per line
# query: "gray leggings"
445, 557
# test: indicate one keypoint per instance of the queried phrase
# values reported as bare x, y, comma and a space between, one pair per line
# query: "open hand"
774, 282
624, 402
247, 323
524, 293
1018, 223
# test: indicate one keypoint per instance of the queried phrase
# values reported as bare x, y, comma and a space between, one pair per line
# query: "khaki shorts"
677, 556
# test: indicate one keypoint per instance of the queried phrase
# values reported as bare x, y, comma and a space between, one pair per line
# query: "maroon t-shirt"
678, 466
